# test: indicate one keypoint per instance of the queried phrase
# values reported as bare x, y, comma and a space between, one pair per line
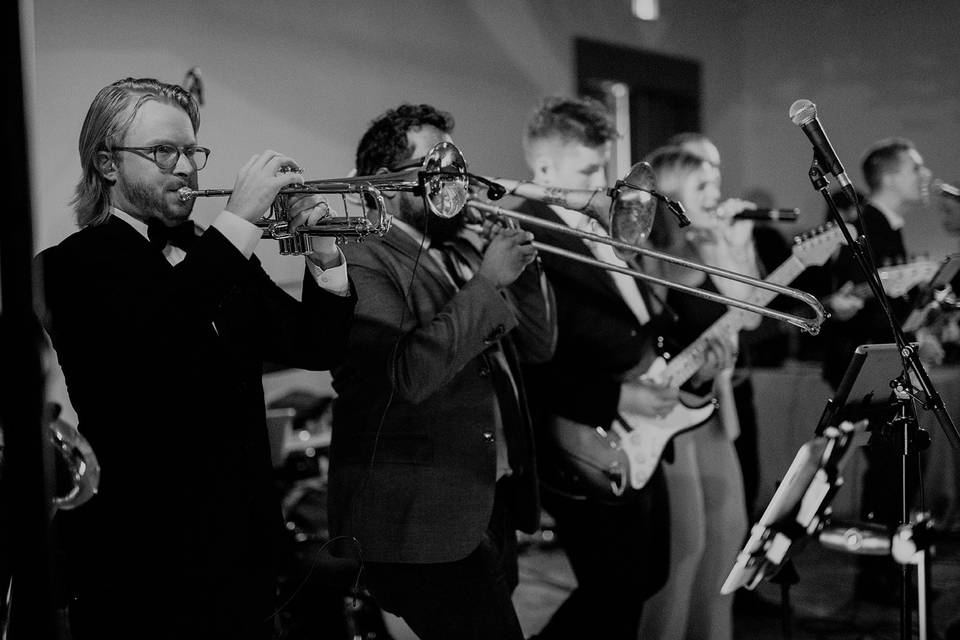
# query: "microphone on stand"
803, 113
768, 215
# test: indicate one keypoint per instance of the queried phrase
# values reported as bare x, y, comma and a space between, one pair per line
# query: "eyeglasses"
166, 156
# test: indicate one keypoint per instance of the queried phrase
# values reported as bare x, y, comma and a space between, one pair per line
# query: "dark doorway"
652, 95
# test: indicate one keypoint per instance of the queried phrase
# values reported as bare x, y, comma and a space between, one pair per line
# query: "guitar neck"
682, 367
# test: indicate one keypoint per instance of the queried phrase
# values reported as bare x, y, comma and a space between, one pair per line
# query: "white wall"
305, 78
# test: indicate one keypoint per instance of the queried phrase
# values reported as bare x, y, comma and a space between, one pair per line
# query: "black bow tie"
183, 235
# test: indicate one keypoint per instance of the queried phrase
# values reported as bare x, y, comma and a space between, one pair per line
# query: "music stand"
800, 508
926, 301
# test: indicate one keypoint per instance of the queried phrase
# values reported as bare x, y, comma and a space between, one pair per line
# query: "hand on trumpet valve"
305, 209
259, 181
507, 255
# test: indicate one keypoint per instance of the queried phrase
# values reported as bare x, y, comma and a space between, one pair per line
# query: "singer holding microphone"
708, 517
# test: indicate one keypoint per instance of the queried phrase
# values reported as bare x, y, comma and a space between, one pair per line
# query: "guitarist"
898, 181
708, 516
617, 545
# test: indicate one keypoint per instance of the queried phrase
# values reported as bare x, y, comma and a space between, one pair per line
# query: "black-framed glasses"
166, 156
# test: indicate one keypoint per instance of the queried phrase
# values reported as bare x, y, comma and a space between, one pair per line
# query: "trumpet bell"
79, 466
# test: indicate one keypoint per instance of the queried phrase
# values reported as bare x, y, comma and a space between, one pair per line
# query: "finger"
249, 163
264, 158
279, 163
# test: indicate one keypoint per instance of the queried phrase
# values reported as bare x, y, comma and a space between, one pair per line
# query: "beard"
155, 201
439, 230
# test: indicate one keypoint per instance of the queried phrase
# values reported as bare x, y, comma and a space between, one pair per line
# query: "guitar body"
643, 439
612, 462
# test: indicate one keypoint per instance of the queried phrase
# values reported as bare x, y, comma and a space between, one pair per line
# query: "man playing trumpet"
159, 330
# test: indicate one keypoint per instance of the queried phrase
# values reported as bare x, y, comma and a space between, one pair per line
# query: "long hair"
108, 119
671, 165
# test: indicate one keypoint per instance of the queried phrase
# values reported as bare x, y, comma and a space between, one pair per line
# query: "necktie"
461, 261
182, 235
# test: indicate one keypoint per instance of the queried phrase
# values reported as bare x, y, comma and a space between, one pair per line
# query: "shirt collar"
139, 225
894, 219
573, 219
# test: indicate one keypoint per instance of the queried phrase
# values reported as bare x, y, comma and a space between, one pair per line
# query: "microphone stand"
905, 418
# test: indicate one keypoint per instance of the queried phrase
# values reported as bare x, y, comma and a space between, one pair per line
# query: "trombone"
630, 212
441, 179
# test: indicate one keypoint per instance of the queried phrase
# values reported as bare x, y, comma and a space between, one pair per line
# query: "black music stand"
800, 508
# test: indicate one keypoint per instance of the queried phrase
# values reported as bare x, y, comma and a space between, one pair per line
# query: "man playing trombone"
162, 333
432, 467
617, 544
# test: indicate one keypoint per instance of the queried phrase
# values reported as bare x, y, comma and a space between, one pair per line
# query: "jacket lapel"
401, 242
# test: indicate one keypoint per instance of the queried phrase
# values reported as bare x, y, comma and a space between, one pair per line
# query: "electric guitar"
899, 279
626, 453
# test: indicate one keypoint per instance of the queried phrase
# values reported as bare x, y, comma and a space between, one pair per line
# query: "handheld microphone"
769, 215
803, 113
947, 190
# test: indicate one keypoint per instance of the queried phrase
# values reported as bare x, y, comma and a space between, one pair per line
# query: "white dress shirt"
245, 235
626, 285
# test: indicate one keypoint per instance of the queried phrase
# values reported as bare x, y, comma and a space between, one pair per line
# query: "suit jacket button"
484, 371
488, 436
496, 334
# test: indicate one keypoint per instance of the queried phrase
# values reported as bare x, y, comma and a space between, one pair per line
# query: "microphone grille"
802, 111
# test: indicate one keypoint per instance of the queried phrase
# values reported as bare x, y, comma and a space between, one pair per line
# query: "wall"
874, 69
305, 77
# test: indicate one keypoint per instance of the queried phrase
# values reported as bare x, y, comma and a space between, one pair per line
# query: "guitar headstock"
899, 279
813, 248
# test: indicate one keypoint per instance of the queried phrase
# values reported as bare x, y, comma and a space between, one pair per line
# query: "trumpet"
79, 461
441, 180
566, 197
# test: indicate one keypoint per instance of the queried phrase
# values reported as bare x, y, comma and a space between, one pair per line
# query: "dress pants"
468, 598
619, 554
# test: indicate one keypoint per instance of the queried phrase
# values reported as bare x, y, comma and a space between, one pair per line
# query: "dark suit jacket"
599, 336
869, 325
413, 457
599, 340
163, 366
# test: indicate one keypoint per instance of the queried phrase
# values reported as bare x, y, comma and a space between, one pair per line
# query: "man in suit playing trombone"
432, 467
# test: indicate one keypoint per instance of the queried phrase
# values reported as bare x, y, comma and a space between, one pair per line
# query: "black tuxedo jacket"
163, 365
413, 457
